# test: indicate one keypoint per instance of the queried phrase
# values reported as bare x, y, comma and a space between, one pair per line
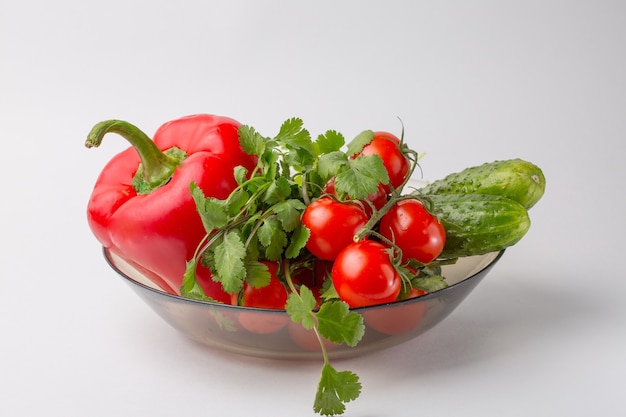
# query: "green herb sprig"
260, 220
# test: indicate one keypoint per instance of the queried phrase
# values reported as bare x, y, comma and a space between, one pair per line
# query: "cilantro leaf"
299, 307
236, 202
273, 237
334, 389
257, 274
229, 266
240, 173
330, 163
294, 136
356, 145
330, 141
362, 178
288, 213
297, 140
251, 141
211, 210
190, 287
429, 283
298, 240
290, 129
278, 190
338, 324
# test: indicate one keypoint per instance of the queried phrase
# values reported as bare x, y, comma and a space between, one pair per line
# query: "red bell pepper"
141, 206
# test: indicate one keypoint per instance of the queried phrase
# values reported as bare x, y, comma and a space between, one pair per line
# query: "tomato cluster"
361, 245
365, 270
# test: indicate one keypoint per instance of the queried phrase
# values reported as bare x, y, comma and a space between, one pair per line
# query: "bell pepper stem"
158, 167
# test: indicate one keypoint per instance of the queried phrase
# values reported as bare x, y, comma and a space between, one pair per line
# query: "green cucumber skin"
516, 179
476, 224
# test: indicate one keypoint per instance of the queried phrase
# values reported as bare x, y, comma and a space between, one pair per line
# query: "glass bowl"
271, 333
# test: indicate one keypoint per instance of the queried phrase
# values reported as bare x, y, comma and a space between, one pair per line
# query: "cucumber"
516, 179
476, 224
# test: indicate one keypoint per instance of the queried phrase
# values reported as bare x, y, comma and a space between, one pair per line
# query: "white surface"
543, 335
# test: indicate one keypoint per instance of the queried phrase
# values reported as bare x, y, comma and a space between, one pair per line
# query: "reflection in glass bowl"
272, 334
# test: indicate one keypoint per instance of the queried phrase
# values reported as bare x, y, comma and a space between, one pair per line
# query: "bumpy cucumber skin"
516, 179
476, 224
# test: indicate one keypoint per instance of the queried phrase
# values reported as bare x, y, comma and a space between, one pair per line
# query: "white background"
543, 335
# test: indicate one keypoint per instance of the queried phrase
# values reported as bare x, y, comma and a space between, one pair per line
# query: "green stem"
305, 191
158, 167
396, 195
292, 288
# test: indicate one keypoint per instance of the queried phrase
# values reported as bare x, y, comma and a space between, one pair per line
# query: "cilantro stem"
288, 278
322, 345
292, 288
378, 214
396, 195
206, 243
258, 225
252, 198
305, 191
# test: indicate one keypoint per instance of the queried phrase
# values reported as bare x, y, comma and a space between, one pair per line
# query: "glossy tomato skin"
272, 296
332, 225
414, 230
387, 146
364, 275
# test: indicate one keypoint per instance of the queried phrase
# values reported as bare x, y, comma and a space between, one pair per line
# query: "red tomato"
414, 230
387, 146
363, 275
272, 296
333, 225
415, 292
378, 199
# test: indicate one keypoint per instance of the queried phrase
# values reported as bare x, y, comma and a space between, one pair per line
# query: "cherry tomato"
363, 275
378, 199
414, 230
387, 146
272, 296
416, 292
333, 225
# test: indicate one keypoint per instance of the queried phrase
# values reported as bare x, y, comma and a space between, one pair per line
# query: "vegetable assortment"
213, 210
